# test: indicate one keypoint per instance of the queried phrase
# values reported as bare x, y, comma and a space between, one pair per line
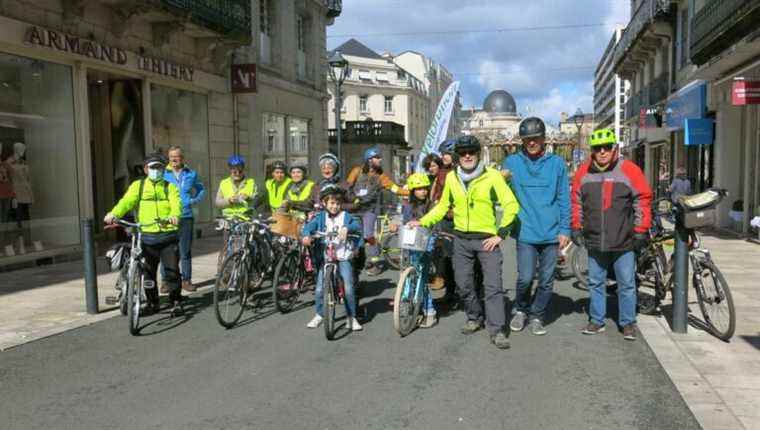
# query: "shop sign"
650, 117
698, 131
243, 78
745, 93
166, 68
689, 102
75, 45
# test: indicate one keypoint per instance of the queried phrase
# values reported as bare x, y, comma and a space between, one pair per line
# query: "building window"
300, 33
299, 137
180, 118
363, 104
39, 195
274, 133
401, 75
302, 26
365, 75
388, 104
266, 23
480, 123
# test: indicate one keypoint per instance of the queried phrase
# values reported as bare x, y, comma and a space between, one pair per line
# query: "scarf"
467, 177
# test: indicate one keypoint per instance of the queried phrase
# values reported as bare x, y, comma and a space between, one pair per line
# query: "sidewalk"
719, 381
47, 300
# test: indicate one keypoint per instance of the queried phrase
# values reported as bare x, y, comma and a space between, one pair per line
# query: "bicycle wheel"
407, 302
287, 282
329, 300
715, 300
134, 296
230, 290
391, 249
121, 286
579, 262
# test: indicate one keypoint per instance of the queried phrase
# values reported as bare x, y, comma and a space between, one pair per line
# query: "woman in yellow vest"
237, 193
298, 196
277, 185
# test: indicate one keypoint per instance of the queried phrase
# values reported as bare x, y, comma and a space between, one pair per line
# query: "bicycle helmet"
447, 146
279, 165
532, 127
467, 142
330, 158
604, 136
300, 166
236, 161
331, 190
417, 180
372, 153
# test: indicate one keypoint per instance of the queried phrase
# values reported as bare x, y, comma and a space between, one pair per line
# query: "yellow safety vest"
302, 196
276, 192
228, 189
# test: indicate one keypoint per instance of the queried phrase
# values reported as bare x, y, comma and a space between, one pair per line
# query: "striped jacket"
610, 206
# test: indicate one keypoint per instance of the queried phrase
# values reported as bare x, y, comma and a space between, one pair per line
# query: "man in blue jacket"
192, 192
539, 180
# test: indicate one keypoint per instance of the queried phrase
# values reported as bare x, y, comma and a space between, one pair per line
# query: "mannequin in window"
6, 192
22, 190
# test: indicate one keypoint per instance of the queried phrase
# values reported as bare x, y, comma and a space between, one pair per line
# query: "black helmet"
300, 166
467, 142
331, 190
532, 127
447, 146
279, 165
154, 158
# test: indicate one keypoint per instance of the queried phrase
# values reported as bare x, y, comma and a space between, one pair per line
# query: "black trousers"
167, 253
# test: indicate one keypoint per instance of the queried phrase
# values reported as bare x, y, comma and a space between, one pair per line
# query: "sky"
547, 70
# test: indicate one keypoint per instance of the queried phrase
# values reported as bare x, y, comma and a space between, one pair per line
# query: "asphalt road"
273, 373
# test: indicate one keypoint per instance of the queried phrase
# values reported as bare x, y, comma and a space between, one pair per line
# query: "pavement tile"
750, 423
743, 402
715, 417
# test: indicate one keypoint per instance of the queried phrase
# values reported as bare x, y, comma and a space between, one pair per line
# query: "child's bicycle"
293, 276
412, 288
333, 291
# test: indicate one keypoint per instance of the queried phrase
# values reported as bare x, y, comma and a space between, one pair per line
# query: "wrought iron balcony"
374, 132
231, 18
648, 12
334, 8
635, 103
720, 24
658, 89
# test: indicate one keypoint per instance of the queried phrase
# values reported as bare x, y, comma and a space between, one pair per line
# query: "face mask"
154, 174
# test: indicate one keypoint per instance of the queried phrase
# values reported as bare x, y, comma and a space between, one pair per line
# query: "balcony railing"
720, 24
231, 18
635, 103
658, 89
370, 132
334, 8
647, 12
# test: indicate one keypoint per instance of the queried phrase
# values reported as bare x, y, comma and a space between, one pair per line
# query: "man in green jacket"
472, 192
158, 206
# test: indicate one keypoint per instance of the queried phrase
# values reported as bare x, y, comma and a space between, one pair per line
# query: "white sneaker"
354, 325
315, 322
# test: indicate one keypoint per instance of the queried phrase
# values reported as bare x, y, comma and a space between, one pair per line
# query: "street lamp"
578, 119
338, 69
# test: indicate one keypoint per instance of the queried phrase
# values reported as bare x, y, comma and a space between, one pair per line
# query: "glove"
640, 241
577, 237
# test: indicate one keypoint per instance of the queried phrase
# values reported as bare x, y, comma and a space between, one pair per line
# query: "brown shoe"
592, 329
188, 286
629, 332
165, 288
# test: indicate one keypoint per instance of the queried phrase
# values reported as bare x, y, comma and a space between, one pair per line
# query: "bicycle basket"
286, 225
117, 256
415, 239
700, 210
709, 198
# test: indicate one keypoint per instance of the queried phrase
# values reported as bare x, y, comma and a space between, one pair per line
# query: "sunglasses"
600, 148
467, 152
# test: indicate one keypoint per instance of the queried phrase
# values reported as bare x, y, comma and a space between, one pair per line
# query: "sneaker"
374, 270
500, 340
537, 327
429, 321
354, 325
629, 332
592, 329
165, 288
470, 327
188, 286
518, 321
315, 322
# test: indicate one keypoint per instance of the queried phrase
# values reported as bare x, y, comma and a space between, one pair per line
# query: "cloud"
548, 69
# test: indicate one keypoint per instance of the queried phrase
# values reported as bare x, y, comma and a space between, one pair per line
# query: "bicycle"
412, 289
135, 282
388, 240
233, 287
292, 275
333, 290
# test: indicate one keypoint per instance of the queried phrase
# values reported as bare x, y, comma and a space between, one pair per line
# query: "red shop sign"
745, 93
243, 78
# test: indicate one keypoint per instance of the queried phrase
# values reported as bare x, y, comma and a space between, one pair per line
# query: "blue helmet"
236, 161
447, 146
371, 153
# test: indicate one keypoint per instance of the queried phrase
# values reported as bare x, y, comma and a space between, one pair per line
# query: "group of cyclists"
606, 207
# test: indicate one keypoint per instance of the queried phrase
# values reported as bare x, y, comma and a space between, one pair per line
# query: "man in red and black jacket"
611, 214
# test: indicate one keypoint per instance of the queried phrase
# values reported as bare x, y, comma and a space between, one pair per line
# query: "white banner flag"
440, 125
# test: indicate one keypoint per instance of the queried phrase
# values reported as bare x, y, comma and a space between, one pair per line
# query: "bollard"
90, 271
681, 286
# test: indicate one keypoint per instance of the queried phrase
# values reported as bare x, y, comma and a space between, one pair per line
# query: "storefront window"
180, 118
39, 208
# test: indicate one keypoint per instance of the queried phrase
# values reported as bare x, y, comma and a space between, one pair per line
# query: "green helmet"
601, 137
417, 180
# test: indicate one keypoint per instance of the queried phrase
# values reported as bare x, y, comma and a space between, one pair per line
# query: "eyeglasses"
600, 148
468, 152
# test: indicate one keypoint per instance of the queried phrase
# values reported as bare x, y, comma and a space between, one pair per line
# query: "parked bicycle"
293, 276
244, 271
389, 240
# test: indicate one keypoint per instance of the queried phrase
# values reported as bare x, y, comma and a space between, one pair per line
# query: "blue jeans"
369, 223
346, 270
527, 257
185, 234
624, 264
